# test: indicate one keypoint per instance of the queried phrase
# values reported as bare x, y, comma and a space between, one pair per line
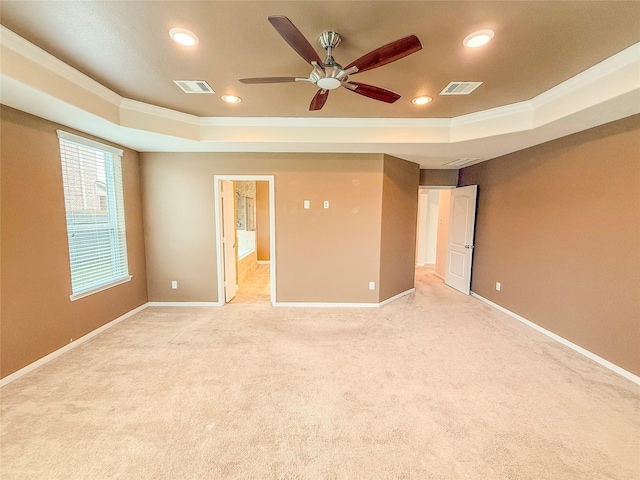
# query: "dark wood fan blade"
267, 80
387, 54
319, 99
294, 38
376, 93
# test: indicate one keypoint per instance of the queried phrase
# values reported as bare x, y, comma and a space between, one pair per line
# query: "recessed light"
183, 36
477, 39
231, 99
423, 100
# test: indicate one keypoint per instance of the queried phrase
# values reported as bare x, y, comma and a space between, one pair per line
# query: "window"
93, 200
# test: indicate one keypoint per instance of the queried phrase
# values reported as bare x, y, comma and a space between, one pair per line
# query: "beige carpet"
435, 385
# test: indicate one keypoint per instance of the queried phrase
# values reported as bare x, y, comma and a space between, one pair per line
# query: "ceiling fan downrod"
333, 74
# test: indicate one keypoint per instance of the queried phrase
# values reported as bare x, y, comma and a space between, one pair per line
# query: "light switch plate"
306, 204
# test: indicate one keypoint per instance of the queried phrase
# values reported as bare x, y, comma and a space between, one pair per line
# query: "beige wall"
399, 219
322, 255
438, 178
559, 226
37, 315
444, 206
263, 227
427, 231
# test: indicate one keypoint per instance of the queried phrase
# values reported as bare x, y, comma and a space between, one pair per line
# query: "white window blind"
94, 204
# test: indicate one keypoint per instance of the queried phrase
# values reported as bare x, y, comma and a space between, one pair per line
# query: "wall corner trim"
590, 355
47, 358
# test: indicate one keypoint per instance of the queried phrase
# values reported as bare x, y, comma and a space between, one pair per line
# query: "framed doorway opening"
226, 246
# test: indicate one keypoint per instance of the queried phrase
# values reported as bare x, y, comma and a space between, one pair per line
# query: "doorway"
245, 210
445, 233
433, 229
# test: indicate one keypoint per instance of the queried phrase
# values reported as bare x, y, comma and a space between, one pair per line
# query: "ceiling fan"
329, 74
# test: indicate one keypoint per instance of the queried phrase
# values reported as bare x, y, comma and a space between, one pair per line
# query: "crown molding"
620, 62
28, 50
497, 113
160, 112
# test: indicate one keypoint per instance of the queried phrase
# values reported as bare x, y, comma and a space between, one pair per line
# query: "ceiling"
539, 47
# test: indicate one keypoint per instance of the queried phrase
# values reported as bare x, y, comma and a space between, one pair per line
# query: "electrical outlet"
372, 285
498, 286
174, 284
326, 204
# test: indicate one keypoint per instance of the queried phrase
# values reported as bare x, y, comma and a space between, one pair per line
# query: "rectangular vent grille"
462, 161
460, 88
194, 86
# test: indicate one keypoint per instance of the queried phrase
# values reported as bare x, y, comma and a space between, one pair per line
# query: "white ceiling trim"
325, 122
28, 72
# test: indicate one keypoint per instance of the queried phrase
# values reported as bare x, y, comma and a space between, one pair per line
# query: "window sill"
86, 293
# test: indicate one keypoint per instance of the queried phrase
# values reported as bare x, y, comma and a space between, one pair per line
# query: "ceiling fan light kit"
328, 74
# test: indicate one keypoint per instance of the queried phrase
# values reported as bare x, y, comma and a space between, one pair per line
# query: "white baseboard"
69, 346
342, 305
185, 304
592, 356
395, 297
325, 305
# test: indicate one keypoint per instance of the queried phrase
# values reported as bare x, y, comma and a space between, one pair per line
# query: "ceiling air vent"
194, 86
461, 161
460, 88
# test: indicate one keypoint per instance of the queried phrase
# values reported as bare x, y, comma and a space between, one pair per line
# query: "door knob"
469, 246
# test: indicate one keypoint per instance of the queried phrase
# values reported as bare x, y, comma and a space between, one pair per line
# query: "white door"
462, 221
229, 239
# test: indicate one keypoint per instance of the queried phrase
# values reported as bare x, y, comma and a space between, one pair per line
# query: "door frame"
229, 239
217, 179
